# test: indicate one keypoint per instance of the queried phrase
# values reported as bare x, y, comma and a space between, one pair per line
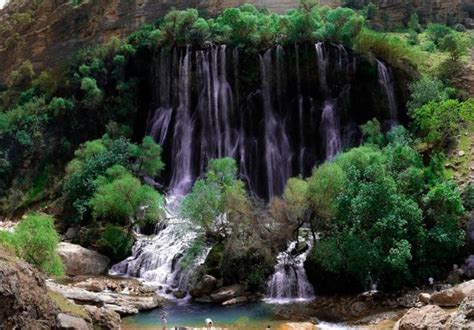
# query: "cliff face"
48, 31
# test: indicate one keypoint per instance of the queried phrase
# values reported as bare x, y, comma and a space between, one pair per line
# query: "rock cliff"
48, 31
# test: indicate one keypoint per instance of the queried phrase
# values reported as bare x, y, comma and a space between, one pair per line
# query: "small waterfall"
158, 259
277, 148
387, 83
182, 178
322, 66
331, 130
289, 282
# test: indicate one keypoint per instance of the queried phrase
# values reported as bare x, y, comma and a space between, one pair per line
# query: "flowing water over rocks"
289, 282
160, 260
278, 113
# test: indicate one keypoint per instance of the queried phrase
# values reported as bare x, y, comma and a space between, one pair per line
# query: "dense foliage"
394, 221
35, 241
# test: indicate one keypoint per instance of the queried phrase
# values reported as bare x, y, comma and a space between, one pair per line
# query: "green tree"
148, 157
35, 241
426, 90
121, 198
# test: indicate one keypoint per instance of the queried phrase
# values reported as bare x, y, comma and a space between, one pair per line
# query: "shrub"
115, 242
436, 32
35, 241
426, 90
120, 197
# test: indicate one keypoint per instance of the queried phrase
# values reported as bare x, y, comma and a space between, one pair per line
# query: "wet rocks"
204, 287
81, 261
227, 292
179, 294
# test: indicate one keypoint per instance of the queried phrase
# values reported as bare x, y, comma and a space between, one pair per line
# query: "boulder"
428, 317
424, 298
69, 322
454, 296
227, 293
463, 318
103, 317
24, 300
81, 261
205, 286
179, 294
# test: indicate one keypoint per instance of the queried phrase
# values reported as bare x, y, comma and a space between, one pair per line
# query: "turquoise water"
256, 315
195, 314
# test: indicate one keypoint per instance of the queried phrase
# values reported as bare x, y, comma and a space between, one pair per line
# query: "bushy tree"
35, 241
121, 198
439, 122
426, 90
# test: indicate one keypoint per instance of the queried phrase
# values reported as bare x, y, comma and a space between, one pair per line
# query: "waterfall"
270, 111
289, 282
387, 83
331, 130
322, 66
277, 149
159, 259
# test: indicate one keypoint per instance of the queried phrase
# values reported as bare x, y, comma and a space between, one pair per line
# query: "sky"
2, 2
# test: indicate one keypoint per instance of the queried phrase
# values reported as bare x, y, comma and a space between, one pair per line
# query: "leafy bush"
35, 241
115, 242
381, 230
427, 90
439, 122
121, 198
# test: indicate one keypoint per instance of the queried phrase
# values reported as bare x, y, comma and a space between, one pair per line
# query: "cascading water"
331, 130
159, 259
387, 83
289, 282
217, 102
222, 102
277, 149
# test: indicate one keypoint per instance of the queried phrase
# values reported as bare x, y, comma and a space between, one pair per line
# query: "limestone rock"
453, 296
103, 317
81, 261
69, 322
227, 293
428, 317
204, 287
122, 303
24, 302
300, 326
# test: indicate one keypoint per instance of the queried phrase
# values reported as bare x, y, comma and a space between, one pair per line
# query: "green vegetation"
35, 241
241, 233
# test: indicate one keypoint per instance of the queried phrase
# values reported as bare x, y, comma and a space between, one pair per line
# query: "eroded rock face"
81, 261
428, 317
463, 318
69, 322
24, 303
57, 29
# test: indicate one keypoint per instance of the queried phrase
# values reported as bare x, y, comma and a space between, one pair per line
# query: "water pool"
256, 315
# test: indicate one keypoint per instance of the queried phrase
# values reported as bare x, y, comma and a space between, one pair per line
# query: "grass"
66, 306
